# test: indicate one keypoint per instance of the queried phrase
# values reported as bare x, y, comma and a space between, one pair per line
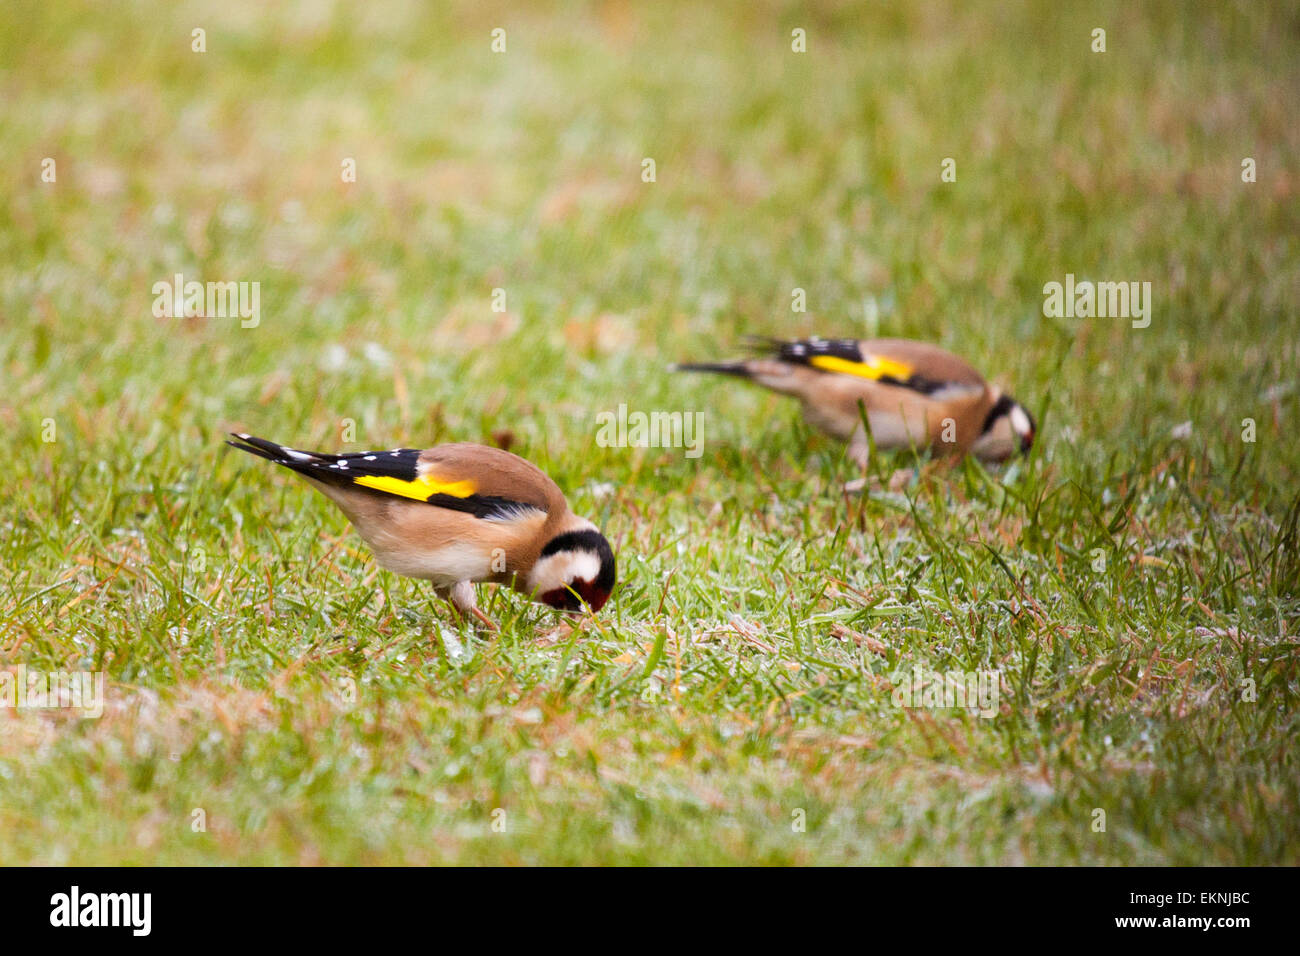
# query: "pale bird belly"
895, 431
831, 421
443, 566
889, 429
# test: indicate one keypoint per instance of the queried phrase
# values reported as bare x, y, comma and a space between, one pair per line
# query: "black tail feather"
739, 369
257, 446
279, 454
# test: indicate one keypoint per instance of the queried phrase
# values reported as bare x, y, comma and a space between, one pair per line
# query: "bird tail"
299, 461
739, 369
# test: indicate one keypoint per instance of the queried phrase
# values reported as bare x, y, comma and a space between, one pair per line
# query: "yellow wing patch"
421, 489
875, 366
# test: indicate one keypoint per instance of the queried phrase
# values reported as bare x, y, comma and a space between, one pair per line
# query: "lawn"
502, 271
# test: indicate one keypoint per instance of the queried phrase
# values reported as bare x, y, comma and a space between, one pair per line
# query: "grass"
1125, 580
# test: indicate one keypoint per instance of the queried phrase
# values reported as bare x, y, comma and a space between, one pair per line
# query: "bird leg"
860, 454
461, 597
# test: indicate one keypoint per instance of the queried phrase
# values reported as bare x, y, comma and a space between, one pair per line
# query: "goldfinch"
457, 514
914, 395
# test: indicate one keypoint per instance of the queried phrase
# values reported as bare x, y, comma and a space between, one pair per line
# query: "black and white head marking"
578, 561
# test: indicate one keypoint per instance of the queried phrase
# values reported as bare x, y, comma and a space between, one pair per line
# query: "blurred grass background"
661, 731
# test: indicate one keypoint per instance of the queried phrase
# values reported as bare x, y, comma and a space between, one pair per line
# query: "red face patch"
564, 599
593, 595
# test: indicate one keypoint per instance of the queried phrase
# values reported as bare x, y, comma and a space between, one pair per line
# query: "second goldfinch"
459, 514
914, 395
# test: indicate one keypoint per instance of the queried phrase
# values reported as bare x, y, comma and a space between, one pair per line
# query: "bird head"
1008, 429
575, 569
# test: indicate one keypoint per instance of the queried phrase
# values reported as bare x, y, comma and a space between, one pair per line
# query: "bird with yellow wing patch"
914, 395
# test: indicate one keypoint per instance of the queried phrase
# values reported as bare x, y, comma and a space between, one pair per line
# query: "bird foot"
486, 621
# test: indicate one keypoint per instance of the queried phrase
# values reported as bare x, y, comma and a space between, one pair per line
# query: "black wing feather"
401, 463
803, 351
